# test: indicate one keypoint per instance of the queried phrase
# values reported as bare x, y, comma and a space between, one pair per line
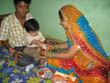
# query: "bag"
25, 60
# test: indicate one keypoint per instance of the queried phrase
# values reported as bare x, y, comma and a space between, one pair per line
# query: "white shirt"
29, 39
12, 30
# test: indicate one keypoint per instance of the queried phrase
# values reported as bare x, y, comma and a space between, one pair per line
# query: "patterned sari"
91, 63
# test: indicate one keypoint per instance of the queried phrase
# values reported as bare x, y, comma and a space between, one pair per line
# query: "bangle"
46, 54
50, 55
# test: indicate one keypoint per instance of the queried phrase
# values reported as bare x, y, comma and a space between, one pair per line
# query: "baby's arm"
40, 44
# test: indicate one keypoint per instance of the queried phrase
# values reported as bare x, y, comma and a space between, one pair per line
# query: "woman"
85, 57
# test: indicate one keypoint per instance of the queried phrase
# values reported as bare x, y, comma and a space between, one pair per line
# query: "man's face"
22, 9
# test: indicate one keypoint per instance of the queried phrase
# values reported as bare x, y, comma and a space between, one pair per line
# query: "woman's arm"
57, 46
40, 44
65, 55
69, 54
51, 46
63, 45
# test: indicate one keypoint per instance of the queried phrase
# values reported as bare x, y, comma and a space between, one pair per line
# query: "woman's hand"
51, 41
40, 44
48, 47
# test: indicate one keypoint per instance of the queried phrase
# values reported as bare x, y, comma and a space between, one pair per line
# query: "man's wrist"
11, 50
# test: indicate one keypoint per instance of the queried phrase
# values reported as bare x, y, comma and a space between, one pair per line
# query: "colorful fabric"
12, 30
91, 63
11, 73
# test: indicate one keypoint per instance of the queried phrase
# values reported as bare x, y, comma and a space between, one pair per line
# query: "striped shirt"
12, 30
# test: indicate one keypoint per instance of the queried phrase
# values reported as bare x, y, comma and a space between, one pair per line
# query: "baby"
33, 33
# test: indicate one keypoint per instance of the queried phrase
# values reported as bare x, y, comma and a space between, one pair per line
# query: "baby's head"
32, 27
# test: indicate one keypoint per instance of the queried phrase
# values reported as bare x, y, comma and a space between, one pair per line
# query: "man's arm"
7, 46
4, 33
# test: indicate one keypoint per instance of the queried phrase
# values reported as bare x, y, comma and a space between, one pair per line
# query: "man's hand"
17, 55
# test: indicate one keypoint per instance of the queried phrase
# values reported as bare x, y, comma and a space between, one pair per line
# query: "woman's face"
33, 33
63, 21
64, 24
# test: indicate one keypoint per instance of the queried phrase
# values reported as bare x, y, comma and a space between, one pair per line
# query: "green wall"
46, 12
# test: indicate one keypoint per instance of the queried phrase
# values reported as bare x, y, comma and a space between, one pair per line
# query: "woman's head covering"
70, 13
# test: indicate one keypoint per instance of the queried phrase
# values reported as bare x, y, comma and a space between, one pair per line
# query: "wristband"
11, 51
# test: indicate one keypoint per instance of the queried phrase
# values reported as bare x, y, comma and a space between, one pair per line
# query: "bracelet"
46, 54
52, 55
49, 55
11, 51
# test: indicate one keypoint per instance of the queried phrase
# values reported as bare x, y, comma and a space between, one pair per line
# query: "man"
12, 33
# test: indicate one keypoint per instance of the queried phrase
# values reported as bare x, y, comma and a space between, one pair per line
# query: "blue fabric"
90, 35
68, 42
63, 71
11, 73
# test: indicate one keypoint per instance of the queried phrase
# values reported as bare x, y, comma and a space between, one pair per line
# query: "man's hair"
26, 1
31, 25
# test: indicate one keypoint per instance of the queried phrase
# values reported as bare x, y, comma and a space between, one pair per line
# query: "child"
33, 33
32, 27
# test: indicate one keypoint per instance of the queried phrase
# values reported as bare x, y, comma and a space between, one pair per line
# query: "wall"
46, 12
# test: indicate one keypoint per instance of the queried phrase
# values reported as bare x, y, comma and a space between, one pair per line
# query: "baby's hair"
31, 25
